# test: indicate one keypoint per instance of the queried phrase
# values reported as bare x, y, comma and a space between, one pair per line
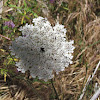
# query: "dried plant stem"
5, 37
88, 81
1, 8
6, 87
95, 96
54, 90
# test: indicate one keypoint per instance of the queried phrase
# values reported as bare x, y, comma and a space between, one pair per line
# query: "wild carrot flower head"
42, 49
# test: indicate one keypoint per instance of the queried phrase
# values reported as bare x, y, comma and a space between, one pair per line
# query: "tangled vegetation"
81, 18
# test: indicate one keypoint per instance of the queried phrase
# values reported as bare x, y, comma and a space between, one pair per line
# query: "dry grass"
84, 27
82, 21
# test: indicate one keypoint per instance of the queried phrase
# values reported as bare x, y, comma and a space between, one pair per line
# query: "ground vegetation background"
81, 18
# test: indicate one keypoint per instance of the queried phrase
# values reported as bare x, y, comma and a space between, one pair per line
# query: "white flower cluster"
42, 49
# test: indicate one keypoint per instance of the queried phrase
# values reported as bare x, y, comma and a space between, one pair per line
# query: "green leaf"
65, 8
3, 71
25, 4
5, 19
14, 6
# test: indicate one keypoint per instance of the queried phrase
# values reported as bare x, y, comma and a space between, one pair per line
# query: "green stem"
54, 90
